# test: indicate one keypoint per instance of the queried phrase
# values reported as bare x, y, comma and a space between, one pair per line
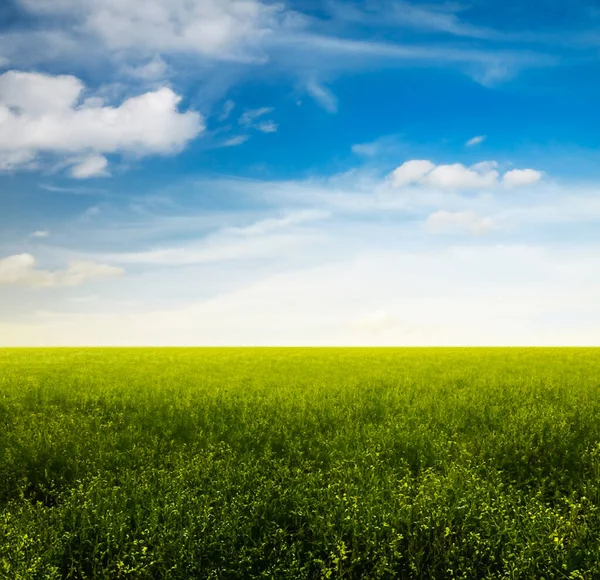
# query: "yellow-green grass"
299, 463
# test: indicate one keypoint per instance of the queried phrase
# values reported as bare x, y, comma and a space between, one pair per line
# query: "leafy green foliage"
299, 463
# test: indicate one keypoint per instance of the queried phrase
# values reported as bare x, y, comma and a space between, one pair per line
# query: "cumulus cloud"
460, 221
475, 140
222, 29
411, 172
21, 270
458, 176
42, 113
518, 177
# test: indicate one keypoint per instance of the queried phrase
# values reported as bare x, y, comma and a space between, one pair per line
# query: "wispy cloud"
21, 270
39, 234
244, 35
248, 118
267, 127
323, 96
477, 140
449, 222
441, 18
90, 166
235, 141
253, 119
268, 236
227, 110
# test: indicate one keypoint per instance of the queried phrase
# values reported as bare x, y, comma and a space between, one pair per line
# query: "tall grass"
299, 463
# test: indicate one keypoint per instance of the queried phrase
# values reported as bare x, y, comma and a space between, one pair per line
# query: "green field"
300, 463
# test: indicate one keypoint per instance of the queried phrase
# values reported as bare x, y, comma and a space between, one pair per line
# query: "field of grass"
300, 463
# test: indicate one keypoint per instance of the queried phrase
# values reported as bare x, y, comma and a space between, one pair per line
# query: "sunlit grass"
300, 463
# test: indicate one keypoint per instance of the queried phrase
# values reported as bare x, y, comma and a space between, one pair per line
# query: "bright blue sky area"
252, 172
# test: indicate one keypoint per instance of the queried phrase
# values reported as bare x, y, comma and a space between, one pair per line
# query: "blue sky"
308, 172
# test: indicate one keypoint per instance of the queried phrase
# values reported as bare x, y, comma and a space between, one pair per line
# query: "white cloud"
222, 29
267, 127
41, 113
365, 149
266, 237
38, 94
359, 274
411, 172
227, 109
39, 234
249, 118
437, 18
518, 177
253, 119
456, 176
323, 96
459, 221
91, 166
475, 140
11, 160
154, 69
128, 34
235, 141
20, 270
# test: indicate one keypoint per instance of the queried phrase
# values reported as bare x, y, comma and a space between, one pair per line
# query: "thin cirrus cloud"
442, 18
21, 270
235, 141
458, 176
227, 110
136, 35
248, 118
323, 96
44, 114
253, 119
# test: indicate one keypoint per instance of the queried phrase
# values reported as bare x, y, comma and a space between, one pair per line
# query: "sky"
301, 172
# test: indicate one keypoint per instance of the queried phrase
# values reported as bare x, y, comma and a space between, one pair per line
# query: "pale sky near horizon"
302, 172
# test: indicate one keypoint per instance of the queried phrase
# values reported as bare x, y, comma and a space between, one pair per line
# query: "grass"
299, 463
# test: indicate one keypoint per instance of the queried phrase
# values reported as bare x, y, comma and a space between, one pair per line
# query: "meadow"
299, 463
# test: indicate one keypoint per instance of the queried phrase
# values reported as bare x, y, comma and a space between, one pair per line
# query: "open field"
300, 463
